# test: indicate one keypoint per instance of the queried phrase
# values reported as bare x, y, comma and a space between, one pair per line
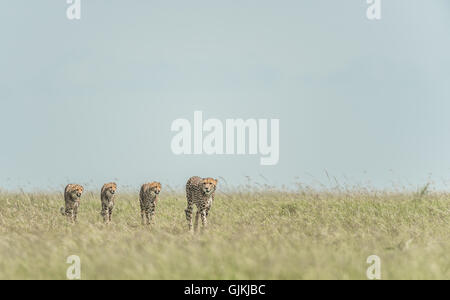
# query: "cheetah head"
155, 187
111, 188
77, 191
209, 185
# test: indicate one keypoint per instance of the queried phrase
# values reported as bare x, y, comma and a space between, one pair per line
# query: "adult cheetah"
148, 198
107, 195
199, 191
72, 194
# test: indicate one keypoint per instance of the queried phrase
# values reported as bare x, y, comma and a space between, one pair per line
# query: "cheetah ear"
217, 180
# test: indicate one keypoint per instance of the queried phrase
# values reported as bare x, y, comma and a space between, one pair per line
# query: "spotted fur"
199, 192
72, 195
107, 196
148, 198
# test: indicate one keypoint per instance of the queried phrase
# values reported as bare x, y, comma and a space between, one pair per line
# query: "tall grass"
254, 233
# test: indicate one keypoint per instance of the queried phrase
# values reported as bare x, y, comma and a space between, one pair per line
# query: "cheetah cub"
108, 193
72, 195
148, 198
199, 191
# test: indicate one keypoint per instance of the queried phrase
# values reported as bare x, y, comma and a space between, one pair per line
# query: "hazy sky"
93, 100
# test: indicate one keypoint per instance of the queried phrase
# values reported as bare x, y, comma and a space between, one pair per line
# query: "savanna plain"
256, 232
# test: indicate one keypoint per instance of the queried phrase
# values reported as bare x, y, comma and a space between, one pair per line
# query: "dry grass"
262, 234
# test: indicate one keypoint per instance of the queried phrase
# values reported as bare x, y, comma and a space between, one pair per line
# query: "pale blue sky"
90, 101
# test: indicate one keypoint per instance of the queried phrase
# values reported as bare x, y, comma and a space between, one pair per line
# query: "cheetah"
148, 198
107, 196
72, 194
199, 191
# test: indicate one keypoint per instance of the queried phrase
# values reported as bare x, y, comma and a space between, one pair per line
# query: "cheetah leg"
188, 212
75, 214
204, 220
197, 215
147, 215
152, 214
143, 216
69, 214
207, 210
104, 213
110, 214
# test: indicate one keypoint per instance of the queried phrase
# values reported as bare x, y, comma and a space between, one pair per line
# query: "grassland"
257, 234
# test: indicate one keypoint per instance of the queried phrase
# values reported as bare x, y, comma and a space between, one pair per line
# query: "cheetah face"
209, 185
112, 190
77, 192
156, 188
